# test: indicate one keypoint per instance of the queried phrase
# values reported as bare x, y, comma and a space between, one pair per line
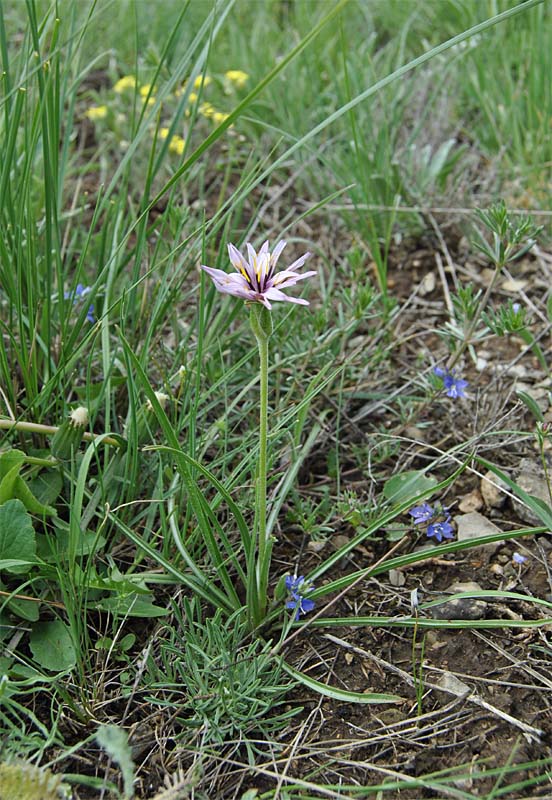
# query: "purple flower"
422, 513
441, 530
454, 386
297, 586
80, 292
517, 558
256, 280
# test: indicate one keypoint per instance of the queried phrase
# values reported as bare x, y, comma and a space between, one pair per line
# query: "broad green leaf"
368, 698
7, 484
131, 605
407, 485
52, 646
22, 491
47, 486
17, 537
10, 459
26, 609
114, 740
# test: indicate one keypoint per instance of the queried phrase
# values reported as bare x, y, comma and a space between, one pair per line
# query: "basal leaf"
17, 537
52, 646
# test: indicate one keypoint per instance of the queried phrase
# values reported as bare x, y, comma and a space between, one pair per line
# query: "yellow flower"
207, 109
237, 77
192, 97
145, 90
177, 145
163, 133
202, 79
96, 112
218, 117
126, 82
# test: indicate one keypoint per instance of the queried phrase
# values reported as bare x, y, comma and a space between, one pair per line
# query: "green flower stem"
50, 430
261, 324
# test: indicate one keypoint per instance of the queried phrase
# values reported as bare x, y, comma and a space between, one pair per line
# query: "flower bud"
69, 435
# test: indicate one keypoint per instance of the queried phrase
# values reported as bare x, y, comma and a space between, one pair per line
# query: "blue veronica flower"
441, 530
296, 587
517, 558
453, 385
422, 513
80, 292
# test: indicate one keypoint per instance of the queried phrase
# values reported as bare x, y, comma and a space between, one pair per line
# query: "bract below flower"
256, 280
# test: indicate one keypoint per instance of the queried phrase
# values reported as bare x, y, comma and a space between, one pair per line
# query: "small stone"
474, 525
461, 608
513, 285
481, 364
471, 502
492, 490
532, 480
428, 283
396, 577
316, 545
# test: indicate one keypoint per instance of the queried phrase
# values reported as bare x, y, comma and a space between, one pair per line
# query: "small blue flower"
454, 386
422, 513
441, 530
80, 292
297, 586
517, 558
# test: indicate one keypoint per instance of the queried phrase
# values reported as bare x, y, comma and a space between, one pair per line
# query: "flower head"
237, 77
441, 530
96, 112
454, 386
517, 558
124, 83
219, 117
422, 513
202, 80
297, 586
80, 292
256, 280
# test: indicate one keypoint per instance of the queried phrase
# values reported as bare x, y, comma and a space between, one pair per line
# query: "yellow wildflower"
96, 112
124, 83
145, 90
237, 77
177, 145
202, 79
163, 133
218, 117
192, 97
207, 109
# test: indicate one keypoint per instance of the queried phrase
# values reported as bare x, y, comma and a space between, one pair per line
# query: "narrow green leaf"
531, 404
344, 696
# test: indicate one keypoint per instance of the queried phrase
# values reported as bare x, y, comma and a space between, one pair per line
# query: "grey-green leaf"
114, 740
